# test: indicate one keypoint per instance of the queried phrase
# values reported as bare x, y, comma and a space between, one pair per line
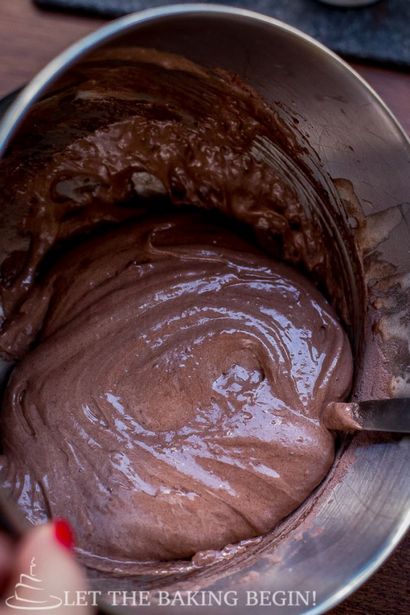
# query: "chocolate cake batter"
171, 376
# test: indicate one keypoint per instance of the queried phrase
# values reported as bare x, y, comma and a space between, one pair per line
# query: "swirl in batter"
172, 402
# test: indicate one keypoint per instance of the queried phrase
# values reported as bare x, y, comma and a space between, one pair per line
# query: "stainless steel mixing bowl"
364, 509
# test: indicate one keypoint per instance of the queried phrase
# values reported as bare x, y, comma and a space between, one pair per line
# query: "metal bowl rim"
64, 60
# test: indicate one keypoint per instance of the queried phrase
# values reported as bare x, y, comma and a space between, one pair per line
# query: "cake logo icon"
29, 595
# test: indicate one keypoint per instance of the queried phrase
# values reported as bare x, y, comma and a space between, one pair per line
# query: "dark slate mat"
379, 32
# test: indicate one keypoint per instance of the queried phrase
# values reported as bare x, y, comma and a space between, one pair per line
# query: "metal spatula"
392, 415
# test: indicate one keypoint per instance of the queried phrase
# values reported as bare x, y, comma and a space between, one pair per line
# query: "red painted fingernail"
63, 533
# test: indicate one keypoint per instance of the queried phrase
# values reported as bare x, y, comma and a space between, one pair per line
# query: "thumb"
45, 573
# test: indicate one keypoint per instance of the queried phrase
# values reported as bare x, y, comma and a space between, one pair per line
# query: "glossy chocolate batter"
171, 376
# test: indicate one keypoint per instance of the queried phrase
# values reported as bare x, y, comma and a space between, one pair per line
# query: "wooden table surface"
28, 39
